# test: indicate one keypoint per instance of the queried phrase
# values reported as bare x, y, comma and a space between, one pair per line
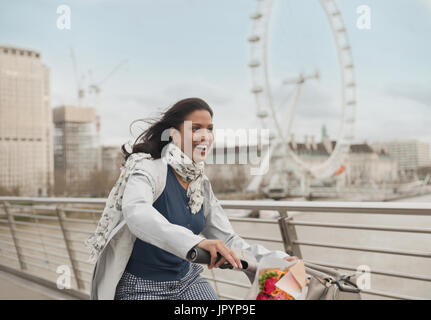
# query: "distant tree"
218, 184
97, 184
239, 179
422, 172
236, 180
11, 191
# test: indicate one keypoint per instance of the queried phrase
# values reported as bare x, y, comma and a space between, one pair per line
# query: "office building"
26, 146
75, 146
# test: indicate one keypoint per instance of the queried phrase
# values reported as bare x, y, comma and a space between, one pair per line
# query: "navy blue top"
150, 262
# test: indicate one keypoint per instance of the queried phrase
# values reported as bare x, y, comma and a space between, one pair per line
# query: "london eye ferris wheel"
267, 105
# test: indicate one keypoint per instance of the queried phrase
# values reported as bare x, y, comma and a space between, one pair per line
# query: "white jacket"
140, 219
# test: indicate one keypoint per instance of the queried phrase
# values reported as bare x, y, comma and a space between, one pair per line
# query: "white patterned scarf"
189, 171
172, 154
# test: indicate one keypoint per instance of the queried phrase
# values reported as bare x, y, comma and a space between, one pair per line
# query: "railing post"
11, 220
60, 213
288, 233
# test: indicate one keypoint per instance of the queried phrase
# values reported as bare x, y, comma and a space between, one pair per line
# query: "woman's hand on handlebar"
214, 246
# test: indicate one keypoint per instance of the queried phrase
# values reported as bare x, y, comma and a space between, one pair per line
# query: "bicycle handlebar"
202, 256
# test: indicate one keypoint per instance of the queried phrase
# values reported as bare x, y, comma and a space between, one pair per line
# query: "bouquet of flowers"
278, 279
267, 289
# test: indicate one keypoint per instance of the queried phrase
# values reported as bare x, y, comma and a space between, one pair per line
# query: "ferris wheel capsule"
262, 114
254, 38
257, 89
256, 15
254, 64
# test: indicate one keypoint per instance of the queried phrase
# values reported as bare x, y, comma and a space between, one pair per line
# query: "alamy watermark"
64, 279
363, 280
64, 20
240, 146
364, 20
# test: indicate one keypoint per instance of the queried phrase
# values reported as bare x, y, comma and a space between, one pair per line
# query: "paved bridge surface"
13, 287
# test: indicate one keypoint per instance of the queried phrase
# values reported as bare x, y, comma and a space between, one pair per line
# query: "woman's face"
197, 135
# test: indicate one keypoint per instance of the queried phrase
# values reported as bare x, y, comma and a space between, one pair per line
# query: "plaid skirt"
191, 287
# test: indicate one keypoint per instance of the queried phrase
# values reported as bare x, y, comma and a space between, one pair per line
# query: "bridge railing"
44, 238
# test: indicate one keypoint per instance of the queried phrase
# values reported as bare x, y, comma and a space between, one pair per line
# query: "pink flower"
261, 296
279, 296
269, 286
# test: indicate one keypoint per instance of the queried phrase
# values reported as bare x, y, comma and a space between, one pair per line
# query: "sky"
182, 48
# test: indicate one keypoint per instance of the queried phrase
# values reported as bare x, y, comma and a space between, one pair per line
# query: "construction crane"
80, 91
93, 89
96, 87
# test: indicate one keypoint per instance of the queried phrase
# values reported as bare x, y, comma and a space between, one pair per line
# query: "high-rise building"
75, 145
410, 154
26, 150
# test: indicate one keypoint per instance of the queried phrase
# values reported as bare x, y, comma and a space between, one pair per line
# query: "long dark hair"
150, 141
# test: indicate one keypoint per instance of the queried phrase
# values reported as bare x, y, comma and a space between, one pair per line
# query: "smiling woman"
168, 207
153, 271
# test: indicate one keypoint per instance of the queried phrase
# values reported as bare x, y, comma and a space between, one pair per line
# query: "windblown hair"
150, 141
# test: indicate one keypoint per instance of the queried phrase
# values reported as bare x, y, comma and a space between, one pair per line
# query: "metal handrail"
261, 239
385, 273
78, 231
52, 245
360, 227
46, 260
42, 225
286, 209
27, 215
367, 249
393, 208
269, 221
80, 220
56, 200
411, 208
37, 233
82, 210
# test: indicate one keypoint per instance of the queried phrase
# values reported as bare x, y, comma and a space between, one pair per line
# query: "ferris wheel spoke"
291, 110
